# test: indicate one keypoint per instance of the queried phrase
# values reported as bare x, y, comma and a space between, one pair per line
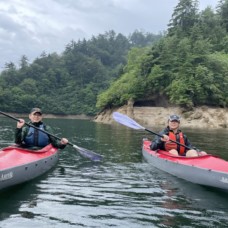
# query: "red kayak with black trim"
205, 170
18, 165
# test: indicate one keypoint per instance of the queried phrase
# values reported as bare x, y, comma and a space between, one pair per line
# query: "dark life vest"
171, 145
36, 138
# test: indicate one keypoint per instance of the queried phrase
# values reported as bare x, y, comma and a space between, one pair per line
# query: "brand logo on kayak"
6, 176
224, 180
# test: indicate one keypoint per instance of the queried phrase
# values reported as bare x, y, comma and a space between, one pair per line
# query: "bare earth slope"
201, 117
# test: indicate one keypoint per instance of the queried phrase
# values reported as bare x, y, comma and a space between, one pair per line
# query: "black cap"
174, 117
36, 110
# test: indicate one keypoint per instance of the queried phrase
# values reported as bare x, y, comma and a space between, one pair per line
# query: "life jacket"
171, 145
35, 137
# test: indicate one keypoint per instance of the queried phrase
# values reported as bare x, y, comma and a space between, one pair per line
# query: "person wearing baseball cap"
173, 132
28, 136
36, 110
174, 118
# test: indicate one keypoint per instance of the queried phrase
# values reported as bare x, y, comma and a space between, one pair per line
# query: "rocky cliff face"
200, 117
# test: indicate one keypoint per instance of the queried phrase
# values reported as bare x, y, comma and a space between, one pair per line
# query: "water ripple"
117, 195
121, 191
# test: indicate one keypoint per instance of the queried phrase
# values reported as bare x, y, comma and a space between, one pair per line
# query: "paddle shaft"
30, 125
180, 144
127, 121
84, 152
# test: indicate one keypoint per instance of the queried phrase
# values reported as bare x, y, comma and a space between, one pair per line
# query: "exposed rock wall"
200, 117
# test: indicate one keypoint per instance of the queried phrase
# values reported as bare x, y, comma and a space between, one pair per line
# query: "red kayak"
18, 165
206, 170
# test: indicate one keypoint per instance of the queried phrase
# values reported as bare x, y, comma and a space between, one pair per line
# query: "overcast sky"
29, 27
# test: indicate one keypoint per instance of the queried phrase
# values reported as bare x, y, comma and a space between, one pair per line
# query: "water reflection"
121, 191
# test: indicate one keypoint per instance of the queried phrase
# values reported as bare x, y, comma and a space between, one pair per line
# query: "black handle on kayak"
84, 152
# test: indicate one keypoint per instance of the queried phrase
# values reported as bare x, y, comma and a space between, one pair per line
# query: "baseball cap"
174, 117
36, 110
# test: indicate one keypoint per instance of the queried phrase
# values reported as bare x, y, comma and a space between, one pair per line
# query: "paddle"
127, 121
82, 151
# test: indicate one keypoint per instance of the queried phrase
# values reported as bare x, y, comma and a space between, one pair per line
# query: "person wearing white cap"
27, 136
172, 132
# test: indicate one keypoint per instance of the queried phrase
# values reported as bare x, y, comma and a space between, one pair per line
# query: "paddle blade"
88, 153
127, 121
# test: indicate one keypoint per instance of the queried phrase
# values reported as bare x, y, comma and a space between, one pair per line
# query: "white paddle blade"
127, 121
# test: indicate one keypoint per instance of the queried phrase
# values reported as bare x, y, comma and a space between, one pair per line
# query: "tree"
184, 17
70, 83
223, 12
24, 62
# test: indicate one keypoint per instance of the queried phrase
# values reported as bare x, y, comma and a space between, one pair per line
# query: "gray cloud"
31, 27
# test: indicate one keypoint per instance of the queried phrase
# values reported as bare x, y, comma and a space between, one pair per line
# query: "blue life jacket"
36, 138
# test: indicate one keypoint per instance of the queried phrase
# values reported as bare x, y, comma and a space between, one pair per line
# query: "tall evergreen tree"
184, 17
222, 10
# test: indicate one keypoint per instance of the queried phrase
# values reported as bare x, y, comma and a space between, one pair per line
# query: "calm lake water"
121, 191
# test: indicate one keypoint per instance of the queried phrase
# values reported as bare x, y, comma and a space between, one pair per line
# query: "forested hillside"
69, 83
187, 67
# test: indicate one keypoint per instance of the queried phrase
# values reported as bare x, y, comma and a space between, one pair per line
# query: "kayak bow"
18, 165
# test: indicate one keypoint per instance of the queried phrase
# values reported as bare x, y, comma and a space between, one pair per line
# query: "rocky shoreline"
200, 117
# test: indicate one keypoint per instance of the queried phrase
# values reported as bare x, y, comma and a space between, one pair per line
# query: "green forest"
187, 66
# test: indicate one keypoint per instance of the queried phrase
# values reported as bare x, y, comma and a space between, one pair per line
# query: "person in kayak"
172, 132
27, 136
